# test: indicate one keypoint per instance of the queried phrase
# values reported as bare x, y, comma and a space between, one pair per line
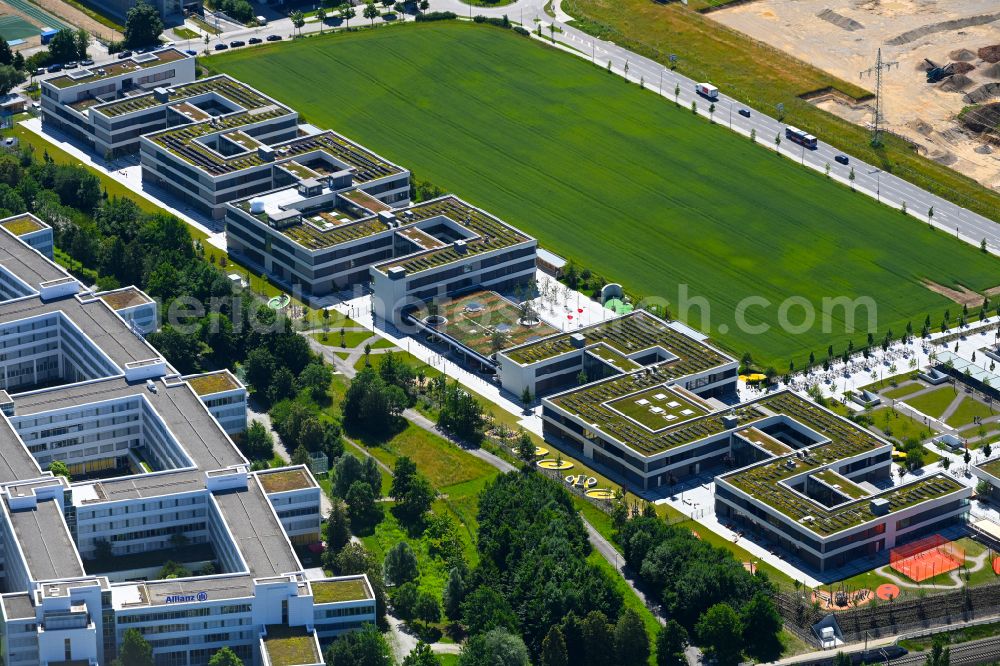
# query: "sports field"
14, 27
620, 180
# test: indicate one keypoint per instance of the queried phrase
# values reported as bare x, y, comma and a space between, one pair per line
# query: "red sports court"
927, 557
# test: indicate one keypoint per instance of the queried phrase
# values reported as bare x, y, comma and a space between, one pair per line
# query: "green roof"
347, 589
212, 382
146, 60
290, 646
22, 224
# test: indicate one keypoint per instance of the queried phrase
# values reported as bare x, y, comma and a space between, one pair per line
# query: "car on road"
191, 52
124, 54
221, 47
86, 63
54, 68
236, 43
39, 71
842, 159
744, 112
255, 40
274, 38
72, 64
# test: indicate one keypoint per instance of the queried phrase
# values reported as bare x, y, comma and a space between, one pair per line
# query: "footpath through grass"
621, 181
761, 76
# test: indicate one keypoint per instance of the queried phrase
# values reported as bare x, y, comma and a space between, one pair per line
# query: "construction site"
940, 82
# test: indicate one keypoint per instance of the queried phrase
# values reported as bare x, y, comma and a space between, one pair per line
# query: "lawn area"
351, 338
186, 33
680, 201
761, 76
933, 403
904, 390
899, 426
967, 411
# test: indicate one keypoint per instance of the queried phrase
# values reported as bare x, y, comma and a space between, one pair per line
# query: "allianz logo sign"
186, 598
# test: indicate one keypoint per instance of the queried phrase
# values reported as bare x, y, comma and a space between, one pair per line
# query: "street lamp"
878, 184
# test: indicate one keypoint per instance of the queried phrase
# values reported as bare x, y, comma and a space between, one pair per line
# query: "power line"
877, 70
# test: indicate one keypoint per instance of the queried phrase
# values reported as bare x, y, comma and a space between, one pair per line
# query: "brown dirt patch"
962, 67
962, 296
992, 291
962, 55
990, 53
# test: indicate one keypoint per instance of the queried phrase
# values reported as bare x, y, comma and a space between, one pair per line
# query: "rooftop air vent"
387, 218
577, 340
461, 247
161, 95
265, 153
879, 506
730, 421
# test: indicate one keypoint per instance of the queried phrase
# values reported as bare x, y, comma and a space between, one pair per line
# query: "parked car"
54, 68
124, 54
274, 38
744, 112
86, 63
221, 47
39, 71
841, 159
72, 64
255, 40
190, 52
236, 43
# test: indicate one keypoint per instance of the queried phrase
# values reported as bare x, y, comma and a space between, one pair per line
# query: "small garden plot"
933, 403
485, 321
899, 426
967, 411
657, 408
904, 390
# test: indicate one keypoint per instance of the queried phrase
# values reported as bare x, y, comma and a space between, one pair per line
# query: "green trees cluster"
12, 68
241, 10
365, 647
375, 400
143, 27
533, 572
709, 594
68, 44
461, 415
411, 491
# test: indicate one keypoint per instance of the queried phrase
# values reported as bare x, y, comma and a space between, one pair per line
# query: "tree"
631, 641
282, 385
400, 564
6, 55
424, 5
258, 441
427, 608
347, 470
416, 502
496, 647
777, 142
720, 630
454, 594
59, 468
421, 656
225, 657
316, 377
761, 626
143, 25
9, 78
526, 398
365, 647
82, 39
939, 655
298, 20
258, 368
62, 46
404, 601
670, 645
598, 639
486, 609
360, 504
525, 447
347, 12
371, 12
134, 650
851, 177
404, 471
321, 17
554, 649
338, 525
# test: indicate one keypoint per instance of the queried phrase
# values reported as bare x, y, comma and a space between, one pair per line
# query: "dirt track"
842, 36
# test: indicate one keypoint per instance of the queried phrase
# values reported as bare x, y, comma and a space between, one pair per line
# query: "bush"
499, 22
522, 31
436, 16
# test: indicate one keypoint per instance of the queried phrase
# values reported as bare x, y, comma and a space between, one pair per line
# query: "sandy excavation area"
842, 36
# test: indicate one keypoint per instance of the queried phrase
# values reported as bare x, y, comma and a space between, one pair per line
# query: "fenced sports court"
927, 557
13, 28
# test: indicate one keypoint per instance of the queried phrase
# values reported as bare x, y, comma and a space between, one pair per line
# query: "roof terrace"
135, 63
23, 224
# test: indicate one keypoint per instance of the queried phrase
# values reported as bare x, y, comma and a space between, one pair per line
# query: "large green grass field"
621, 180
